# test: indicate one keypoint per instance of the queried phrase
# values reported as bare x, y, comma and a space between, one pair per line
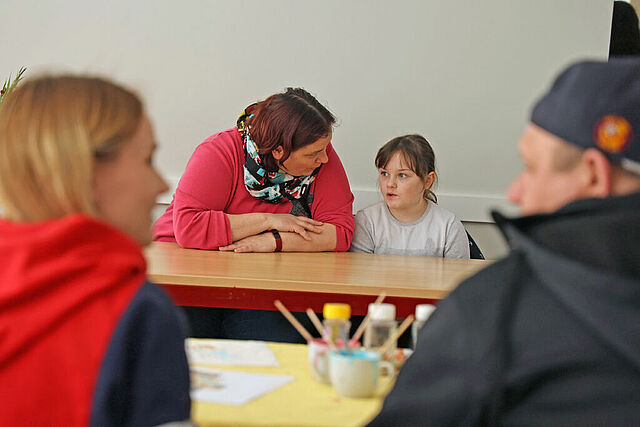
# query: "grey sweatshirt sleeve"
457, 243
363, 234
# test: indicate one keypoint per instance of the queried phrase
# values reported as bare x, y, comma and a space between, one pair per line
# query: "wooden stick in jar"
393, 338
366, 319
301, 330
316, 322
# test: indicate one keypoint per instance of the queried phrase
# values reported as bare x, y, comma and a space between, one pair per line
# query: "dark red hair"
291, 119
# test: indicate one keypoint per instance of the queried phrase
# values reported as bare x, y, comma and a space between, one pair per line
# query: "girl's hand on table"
293, 224
259, 243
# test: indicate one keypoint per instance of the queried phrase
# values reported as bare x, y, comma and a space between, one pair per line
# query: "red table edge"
262, 299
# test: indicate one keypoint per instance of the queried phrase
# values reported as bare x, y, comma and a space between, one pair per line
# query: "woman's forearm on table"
325, 241
249, 224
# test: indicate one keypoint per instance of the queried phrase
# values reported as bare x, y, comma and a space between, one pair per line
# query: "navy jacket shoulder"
547, 336
144, 379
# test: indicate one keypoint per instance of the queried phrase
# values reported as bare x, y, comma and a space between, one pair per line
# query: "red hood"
64, 283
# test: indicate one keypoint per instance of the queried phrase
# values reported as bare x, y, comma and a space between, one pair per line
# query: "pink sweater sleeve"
204, 190
333, 201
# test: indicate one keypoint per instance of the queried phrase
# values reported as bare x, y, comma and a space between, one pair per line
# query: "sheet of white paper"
229, 353
232, 388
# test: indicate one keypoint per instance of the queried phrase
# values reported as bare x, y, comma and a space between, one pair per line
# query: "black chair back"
474, 249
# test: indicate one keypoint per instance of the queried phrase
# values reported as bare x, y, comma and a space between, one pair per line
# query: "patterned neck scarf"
272, 187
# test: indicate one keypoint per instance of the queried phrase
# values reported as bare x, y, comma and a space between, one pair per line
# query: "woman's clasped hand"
266, 242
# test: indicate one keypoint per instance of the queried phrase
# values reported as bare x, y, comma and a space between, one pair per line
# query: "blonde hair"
52, 130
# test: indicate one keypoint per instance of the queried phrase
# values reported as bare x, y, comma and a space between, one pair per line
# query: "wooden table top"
330, 272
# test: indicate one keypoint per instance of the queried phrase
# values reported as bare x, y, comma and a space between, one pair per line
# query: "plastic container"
336, 322
382, 324
423, 312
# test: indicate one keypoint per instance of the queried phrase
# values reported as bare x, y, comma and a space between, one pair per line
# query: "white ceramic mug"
318, 351
356, 373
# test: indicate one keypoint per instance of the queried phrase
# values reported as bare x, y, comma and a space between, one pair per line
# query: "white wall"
462, 73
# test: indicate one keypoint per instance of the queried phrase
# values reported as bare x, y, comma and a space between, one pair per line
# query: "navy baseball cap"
596, 105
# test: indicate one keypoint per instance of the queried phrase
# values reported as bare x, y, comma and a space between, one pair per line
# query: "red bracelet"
278, 240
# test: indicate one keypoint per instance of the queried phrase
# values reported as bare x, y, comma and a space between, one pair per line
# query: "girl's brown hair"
292, 119
417, 152
52, 130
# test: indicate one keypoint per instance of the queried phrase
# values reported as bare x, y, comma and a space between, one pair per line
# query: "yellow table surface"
302, 402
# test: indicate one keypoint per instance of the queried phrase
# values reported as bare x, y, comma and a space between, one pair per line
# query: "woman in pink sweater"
273, 183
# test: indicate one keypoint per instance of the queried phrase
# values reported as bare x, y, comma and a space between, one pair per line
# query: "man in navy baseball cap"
549, 335
583, 139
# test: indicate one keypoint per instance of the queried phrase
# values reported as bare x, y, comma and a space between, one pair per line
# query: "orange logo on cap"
613, 133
